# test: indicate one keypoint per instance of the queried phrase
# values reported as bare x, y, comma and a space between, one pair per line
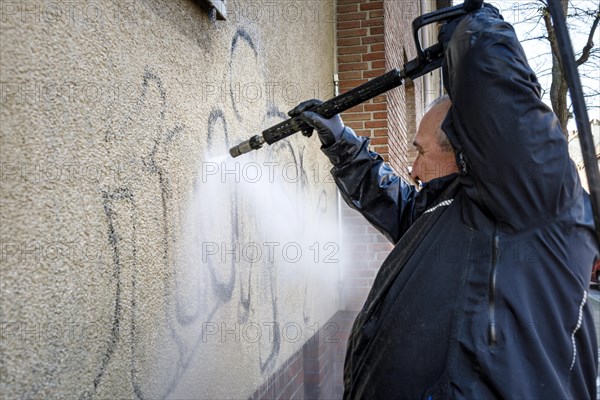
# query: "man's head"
436, 157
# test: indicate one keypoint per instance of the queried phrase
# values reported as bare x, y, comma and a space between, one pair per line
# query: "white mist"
260, 253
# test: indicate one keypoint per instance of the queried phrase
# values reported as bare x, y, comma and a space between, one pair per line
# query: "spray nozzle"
254, 143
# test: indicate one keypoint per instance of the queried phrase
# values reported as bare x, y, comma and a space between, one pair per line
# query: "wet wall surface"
137, 260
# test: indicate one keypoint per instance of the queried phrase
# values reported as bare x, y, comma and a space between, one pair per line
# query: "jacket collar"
431, 191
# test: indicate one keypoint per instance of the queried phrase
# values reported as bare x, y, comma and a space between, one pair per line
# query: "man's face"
432, 161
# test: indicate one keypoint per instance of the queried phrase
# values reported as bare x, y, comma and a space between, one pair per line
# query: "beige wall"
117, 209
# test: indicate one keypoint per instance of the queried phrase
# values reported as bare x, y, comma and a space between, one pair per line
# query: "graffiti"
143, 209
240, 39
124, 218
242, 46
108, 203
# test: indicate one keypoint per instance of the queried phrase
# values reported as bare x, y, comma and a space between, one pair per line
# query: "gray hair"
442, 139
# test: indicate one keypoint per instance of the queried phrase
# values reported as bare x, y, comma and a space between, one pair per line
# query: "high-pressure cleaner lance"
427, 60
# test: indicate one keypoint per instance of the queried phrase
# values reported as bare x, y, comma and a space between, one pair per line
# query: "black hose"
567, 59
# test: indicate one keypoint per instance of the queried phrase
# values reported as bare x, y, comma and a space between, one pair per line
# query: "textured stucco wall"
135, 261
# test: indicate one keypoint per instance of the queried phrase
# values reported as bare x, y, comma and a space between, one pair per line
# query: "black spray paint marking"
222, 290
108, 200
139, 104
125, 194
244, 37
268, 364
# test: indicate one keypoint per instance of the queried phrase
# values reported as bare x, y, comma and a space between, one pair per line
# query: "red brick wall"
316, 370
399, 49
360, 57
375, 36
364, 251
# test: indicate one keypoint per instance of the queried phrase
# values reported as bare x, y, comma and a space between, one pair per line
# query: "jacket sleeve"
513, 148
368, 185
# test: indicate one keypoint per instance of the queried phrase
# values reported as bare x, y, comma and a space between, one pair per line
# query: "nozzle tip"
254, 143
235, 151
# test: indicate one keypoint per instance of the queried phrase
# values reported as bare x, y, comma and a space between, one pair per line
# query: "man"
485, 293
435, 156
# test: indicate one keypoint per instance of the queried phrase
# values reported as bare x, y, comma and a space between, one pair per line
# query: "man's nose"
414, 172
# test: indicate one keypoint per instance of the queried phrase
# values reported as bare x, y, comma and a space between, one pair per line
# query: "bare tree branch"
551, 35
582, 19
585, 54
534, 38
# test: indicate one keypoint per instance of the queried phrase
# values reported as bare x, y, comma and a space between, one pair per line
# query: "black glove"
329, 130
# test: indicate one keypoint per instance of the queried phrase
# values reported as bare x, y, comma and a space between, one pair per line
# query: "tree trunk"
559, 87
558, 94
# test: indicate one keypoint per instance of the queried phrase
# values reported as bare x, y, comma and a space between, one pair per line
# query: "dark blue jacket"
488, 298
